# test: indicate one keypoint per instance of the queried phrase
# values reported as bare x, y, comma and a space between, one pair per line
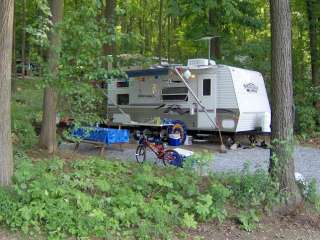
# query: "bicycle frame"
159, 152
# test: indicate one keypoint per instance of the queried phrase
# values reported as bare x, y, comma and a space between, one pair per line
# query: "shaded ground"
301, 227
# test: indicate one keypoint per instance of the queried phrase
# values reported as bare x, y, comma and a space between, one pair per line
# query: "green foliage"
258, 187
199, 160
212, 205
248, 219
113, 200
254, 193
312, 195
22, 128
26, 113
188, 221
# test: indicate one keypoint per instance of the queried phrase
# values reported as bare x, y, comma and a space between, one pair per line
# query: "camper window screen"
123, 99
122, 84
206, 87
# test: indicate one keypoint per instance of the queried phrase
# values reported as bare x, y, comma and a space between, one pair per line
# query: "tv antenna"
208, 38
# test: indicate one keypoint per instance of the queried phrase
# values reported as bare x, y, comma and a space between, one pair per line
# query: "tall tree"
281, 160
313, 10
23, 44
215, 50
109, 14
6, 30
313, 6
14, 60
48, 128
160, 37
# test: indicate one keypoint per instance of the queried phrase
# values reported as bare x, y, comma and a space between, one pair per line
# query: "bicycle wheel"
141, 153
172, 157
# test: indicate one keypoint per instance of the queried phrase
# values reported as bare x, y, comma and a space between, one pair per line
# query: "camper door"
207, 95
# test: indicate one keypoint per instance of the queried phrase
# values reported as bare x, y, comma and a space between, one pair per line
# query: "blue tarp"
104, 135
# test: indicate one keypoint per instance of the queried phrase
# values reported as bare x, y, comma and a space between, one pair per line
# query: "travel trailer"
198, 94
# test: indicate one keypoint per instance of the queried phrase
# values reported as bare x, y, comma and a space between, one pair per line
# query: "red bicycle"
167, 156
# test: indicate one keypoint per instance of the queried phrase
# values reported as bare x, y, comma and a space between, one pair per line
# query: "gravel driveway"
307, 159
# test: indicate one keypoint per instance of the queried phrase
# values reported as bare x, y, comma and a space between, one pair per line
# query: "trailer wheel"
178, 127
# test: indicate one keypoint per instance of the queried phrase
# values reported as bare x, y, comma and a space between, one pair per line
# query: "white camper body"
236, 99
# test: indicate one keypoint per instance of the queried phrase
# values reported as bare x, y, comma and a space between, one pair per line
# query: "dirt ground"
300, 227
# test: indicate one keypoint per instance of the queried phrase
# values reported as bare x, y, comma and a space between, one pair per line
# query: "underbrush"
26, 112
113, 200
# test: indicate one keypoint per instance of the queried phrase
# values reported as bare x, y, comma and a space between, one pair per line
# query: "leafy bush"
248, 219
312, 195
253, 194
26, 112
22, 128
307, 114
199, 160
113, 200
212, 204
307, 118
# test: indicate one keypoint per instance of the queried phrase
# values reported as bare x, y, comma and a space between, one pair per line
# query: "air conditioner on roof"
200, 62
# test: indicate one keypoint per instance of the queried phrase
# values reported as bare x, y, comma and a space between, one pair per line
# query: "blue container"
174, 140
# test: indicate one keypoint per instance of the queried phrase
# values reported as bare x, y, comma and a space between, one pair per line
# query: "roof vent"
200, 62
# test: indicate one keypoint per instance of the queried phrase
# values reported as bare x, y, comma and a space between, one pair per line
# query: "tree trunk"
281, 157
6, 27
160, 30
48, 128
169, 22
313, 10
23, 44
215, 42
313, 18
109, 13
14, 60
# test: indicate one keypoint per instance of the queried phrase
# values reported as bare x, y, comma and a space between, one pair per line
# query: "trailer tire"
178, 127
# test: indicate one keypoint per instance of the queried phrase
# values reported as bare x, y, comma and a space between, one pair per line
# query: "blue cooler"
174, 140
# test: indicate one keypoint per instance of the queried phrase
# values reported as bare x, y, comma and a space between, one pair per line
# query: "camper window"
175, 94
206, 87
122, 84
123, 99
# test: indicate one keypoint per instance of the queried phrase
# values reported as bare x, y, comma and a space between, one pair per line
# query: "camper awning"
148, 72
